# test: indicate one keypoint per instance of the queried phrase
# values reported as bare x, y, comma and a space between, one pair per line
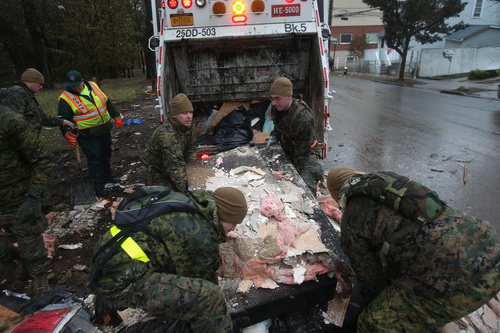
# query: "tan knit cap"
231, 205
32, 75
282, 87
336, 178
181, 104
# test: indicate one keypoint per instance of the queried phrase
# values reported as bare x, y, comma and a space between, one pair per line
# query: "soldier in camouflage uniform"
21, 98
190, 242
171, 148
420, 263
24, 176
294, 129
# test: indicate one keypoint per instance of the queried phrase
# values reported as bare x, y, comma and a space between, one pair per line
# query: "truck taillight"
239, 19
172, 4
204, 156
258, 6
201, 3
187, 3
239, 7
219, 8
289, 1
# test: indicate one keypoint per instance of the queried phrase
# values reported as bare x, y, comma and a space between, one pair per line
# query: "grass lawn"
118, 90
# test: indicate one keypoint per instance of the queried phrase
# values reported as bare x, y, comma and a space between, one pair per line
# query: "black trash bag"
233, 130
158, 325
258, 110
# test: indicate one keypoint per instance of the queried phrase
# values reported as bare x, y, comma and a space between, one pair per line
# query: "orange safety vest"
86, 113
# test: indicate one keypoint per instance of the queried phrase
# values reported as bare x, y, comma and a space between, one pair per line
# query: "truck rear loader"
220, 52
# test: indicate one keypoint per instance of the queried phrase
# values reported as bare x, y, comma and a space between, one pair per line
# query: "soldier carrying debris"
171, 147
294, 129
168, 267
420, 263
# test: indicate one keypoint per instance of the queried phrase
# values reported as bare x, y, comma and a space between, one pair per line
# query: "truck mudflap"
261, 304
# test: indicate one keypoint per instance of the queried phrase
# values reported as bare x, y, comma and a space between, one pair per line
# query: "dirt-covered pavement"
76, 229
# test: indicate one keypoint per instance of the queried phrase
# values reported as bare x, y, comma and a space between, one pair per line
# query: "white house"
477, 42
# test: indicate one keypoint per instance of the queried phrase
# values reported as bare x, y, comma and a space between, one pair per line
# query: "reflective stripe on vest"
130, 246
86, 113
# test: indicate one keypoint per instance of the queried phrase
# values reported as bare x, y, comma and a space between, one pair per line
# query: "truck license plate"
177, 20
285, 10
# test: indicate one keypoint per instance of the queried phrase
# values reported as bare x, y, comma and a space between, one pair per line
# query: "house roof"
468, 32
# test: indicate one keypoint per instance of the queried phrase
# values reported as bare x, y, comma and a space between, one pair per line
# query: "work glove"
272, 140
118, 122
71, 137
29, 210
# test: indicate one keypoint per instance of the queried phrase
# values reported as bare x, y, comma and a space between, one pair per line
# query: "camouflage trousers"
28, 236
407, 305
196, 301
312, 174
153, 178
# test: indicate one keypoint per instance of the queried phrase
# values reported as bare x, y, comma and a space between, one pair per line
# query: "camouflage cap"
181, 104
336, 177
231, 205
282, 87
32, 75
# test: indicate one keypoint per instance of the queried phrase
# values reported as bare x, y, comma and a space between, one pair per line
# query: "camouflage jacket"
169, 150
21, 99
24, 165
192, 240
295, 131
449, 254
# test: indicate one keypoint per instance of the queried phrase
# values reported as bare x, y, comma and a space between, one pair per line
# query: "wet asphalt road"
434, 138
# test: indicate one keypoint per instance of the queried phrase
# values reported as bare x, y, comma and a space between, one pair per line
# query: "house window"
372, 38
478, 6
345, 38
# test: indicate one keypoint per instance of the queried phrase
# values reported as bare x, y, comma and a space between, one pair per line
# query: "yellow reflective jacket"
88, 114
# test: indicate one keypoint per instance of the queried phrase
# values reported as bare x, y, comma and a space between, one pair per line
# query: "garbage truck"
219, 51
224, 53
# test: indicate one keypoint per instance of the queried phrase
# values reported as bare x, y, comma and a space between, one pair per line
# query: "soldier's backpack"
409, 198
133, 214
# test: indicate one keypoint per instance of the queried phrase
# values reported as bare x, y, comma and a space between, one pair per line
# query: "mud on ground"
77, 232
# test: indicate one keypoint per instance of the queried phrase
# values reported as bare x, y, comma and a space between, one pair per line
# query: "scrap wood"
260, 137
226, 109
8, 318
337, 309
